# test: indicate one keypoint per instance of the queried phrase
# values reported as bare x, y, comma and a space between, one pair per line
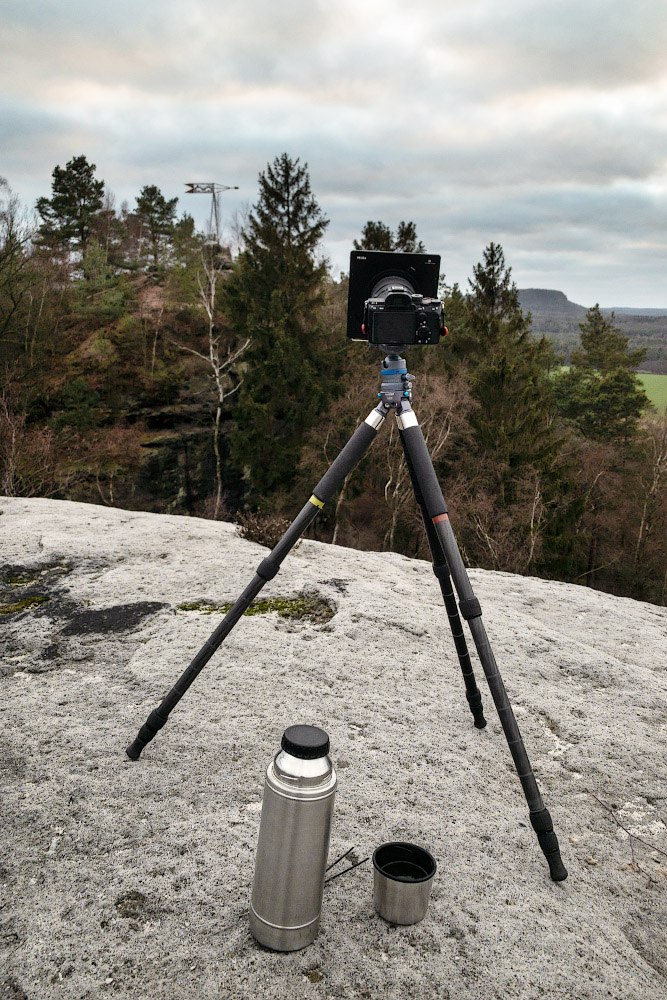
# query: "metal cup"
402, 879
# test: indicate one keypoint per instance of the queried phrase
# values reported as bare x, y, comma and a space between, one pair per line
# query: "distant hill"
548, 300
558, 319
637, 312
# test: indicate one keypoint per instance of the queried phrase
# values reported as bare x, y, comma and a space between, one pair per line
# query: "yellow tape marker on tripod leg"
318, 503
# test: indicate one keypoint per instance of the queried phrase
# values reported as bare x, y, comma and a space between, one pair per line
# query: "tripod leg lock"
548, 841
470, 608
441, 571
267, 569
150, 728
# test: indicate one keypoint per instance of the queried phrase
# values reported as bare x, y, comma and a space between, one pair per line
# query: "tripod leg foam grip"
150, 728
428, 482
548, 841
353, 451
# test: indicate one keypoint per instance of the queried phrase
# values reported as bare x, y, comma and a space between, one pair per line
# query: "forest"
146, 365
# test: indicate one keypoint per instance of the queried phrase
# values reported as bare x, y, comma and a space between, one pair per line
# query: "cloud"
544, 125
596, 43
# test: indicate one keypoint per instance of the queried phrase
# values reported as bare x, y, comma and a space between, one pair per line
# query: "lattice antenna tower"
215, 190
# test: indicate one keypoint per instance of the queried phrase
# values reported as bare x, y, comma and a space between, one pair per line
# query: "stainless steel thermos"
293, 842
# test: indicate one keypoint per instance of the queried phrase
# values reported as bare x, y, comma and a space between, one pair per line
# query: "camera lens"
392, 283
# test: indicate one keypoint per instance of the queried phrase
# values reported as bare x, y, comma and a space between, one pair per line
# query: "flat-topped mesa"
548, 300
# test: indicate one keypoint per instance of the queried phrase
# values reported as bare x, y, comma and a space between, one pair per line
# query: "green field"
655, 387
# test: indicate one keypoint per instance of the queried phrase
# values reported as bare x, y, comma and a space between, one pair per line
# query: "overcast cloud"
541, 125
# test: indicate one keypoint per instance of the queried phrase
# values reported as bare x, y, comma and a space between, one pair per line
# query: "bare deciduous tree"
654, 479
441, 403
16, 232
28, 463
220, 358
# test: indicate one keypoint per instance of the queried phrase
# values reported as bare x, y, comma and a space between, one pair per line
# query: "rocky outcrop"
133, 879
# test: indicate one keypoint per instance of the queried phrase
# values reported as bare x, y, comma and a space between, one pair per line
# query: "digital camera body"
392, 298
402, 319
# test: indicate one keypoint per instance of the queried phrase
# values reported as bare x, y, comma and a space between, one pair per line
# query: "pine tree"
157, 216
508, 369
600, 393
375, 236
514, 486
76, 199
273, 298
378, 236
603, 345
406, 240
102, 292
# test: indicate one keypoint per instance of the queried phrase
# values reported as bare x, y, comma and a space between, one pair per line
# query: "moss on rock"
304, 607
22, 605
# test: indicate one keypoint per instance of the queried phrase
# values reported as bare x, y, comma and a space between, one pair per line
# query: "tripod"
395, 394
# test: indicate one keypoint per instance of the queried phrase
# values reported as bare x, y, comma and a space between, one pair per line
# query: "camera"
392, 298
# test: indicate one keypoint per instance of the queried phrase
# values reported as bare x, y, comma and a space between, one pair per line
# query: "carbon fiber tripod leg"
470, 609
267, 569
442, 573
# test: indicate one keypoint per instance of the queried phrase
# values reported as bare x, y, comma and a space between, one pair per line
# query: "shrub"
266, 529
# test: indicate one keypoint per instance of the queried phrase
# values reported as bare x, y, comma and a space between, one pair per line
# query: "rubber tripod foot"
475, 702
557, 869
134, 750
150, 728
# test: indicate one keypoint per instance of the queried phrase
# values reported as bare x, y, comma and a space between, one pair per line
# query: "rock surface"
126, 879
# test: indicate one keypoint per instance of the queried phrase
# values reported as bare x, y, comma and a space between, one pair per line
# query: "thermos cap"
305, 742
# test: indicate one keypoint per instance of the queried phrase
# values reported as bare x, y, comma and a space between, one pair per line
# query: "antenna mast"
215, 190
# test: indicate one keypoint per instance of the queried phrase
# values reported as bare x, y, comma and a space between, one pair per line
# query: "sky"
539, 125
